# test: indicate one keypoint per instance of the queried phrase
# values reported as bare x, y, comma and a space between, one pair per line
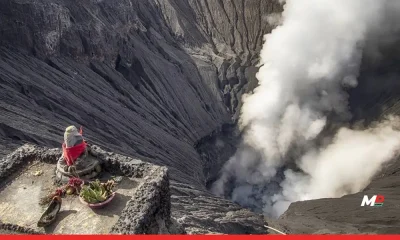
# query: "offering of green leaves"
97, 192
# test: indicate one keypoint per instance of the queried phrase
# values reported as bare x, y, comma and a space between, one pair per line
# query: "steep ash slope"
145, 78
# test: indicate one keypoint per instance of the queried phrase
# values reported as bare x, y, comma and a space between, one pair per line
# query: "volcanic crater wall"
147, 79
161, 81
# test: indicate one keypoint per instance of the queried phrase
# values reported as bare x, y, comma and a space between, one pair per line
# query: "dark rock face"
378, 92
148, 79
216, 148
345, 215
230, 32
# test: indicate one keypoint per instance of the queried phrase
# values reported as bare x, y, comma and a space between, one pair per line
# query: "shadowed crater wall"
148, 79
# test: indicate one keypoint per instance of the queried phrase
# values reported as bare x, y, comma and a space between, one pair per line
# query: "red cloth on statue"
73, 153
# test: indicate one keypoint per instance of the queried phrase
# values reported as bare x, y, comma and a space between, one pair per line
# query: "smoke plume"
307, 64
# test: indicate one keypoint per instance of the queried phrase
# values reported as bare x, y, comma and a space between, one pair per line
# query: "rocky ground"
158, 80
143, 207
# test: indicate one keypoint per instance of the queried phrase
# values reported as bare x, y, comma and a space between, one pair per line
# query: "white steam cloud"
306, 64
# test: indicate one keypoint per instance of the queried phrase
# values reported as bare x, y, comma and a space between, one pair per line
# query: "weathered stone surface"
15, 160
7, 228
148, 211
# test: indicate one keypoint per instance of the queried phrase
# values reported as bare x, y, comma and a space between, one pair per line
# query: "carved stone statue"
76, 160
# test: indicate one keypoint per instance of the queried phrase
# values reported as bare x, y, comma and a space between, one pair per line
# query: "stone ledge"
147, 212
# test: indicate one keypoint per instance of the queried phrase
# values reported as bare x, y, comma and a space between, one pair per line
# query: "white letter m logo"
366, 201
